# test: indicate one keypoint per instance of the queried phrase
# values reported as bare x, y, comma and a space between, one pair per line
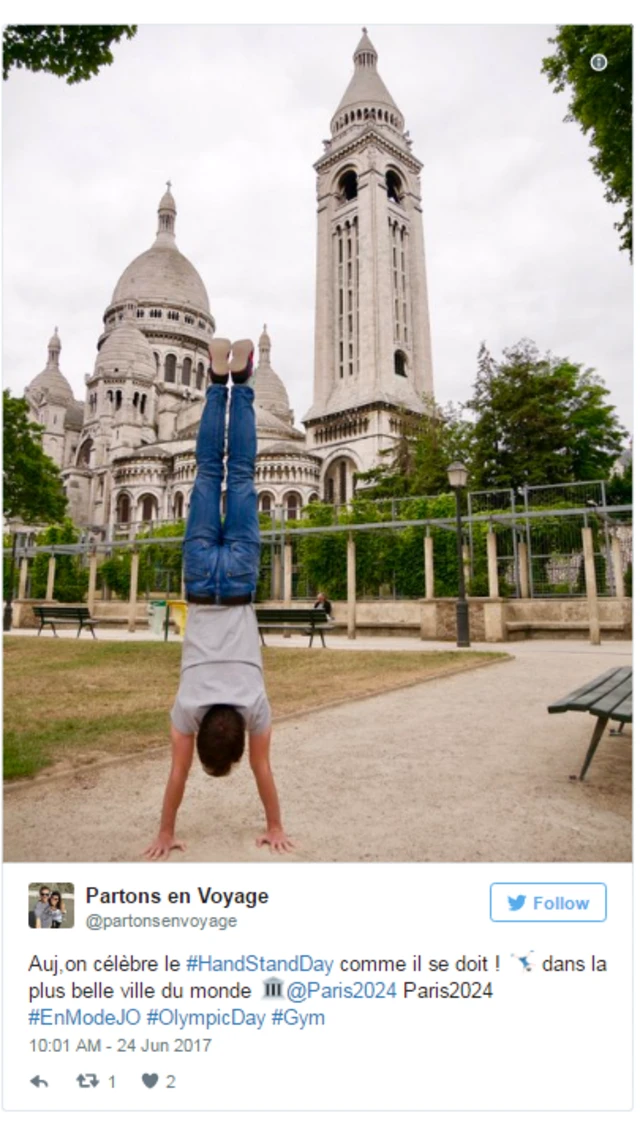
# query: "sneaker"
241, 364
219, 351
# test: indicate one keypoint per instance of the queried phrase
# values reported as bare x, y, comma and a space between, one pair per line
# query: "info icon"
599, 62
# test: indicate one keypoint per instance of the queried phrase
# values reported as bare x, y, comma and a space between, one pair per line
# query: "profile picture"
51, 906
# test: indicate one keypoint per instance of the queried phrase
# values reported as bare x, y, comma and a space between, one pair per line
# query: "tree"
600, 103
540, 420
32, 484
75, 52
416, 463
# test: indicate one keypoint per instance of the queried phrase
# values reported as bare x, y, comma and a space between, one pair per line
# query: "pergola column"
288, 574
523, 569
618, 574
591, 585
351, 587
93, 577
51, 577
133, 593
429, 582
22, 582
492, 564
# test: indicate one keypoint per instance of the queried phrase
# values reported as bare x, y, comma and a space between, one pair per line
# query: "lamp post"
458, 475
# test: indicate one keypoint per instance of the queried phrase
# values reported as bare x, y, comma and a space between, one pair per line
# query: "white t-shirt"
221, 664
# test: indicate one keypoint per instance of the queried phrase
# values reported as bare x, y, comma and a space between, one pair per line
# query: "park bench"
311, 621
608, 697
49, 616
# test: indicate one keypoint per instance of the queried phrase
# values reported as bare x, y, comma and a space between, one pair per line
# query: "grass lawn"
69, 702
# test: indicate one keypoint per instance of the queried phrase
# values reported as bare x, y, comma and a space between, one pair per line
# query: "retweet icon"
517, 903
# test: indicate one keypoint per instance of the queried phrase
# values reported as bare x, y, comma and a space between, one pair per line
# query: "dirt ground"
465, 768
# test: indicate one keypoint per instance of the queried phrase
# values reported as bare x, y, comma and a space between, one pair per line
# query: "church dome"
270, 391
163, 273
126, 349
366, 97
51, 380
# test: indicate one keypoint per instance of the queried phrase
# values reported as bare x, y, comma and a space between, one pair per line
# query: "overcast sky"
519, 239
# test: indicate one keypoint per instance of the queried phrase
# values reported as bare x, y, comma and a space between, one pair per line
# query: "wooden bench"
311, 621
49, 616
608, 697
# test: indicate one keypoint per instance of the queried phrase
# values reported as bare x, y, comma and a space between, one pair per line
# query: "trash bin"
179, 614
157, 609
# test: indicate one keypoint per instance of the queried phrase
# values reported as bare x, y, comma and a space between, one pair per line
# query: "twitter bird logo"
517, 903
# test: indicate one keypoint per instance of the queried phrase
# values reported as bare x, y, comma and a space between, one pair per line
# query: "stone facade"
127, 452
372, 339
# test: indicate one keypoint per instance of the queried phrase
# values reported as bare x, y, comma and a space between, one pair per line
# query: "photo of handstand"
222, 690
390, 554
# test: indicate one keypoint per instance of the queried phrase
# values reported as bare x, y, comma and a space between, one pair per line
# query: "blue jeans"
223, 560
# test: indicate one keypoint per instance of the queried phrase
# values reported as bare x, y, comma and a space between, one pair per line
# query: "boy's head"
220, 739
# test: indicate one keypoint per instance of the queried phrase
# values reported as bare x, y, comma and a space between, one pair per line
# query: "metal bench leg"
323, 641
79, 630
262, 639
617, 731
53, 628
311, 637
41, 626
601, 724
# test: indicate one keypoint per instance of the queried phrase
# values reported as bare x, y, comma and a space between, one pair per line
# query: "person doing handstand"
222, 692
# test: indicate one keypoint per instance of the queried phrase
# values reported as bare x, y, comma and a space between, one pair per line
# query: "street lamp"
458, 475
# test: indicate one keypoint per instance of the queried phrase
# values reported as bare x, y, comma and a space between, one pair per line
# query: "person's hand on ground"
162, 846
276, 839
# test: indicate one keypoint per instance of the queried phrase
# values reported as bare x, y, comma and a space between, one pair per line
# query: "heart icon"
149, 1080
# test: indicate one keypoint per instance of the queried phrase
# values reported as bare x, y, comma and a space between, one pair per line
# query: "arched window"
343, 482
400, 364
148, 508
200, 375
348, 186
292, 504
123, 508
186, 371
394, 186
84, 455
170, 368
178, 506
265, 503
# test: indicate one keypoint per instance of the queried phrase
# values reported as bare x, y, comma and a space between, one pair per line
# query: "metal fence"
390, 552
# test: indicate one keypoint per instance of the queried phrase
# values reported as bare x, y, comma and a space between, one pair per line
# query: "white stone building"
127, 452
372, 337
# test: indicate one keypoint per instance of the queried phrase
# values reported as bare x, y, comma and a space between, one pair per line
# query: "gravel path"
464, 768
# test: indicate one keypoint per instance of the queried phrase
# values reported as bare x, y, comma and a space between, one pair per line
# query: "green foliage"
75, 51
620, 488
628, 579
600, 103
540, 420
32, 486
71, 576
386, 559
159, 568
417, 461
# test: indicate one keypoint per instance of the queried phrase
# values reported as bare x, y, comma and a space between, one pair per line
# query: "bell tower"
372, 337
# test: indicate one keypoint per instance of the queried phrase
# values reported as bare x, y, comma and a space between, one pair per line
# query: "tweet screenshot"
318, 555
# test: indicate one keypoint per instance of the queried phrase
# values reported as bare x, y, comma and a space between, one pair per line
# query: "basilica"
127, 452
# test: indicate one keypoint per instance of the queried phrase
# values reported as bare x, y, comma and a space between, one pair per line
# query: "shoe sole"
219, 350
241, 352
